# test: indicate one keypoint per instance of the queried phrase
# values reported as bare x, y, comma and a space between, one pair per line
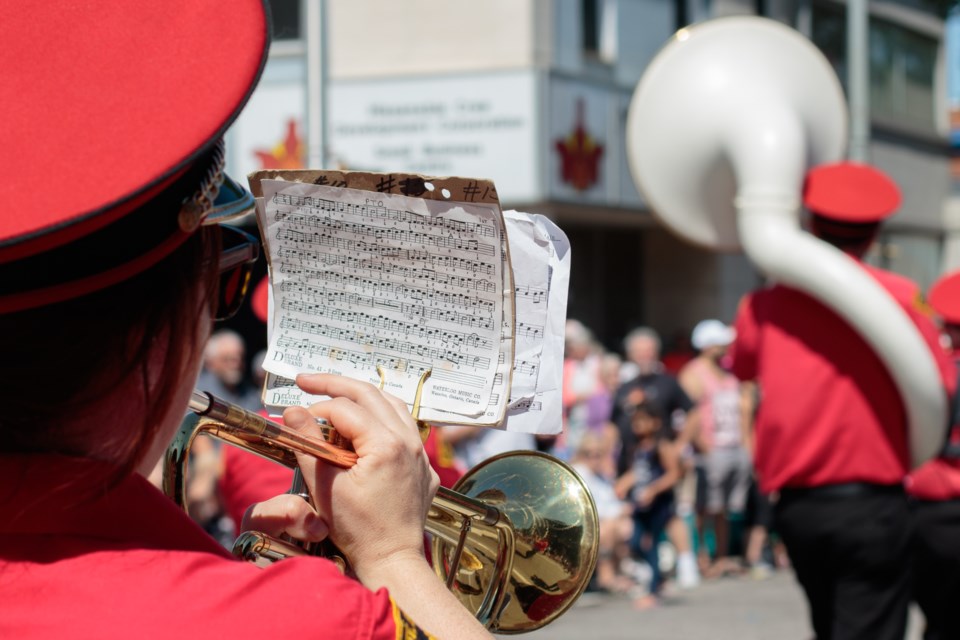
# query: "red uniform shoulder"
905, 290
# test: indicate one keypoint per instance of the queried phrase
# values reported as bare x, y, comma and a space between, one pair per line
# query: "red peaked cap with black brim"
104, 107
944, 297
850, 192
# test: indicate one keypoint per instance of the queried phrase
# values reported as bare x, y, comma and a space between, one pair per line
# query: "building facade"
534, 95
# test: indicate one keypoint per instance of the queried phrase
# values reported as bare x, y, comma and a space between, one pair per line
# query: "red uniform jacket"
938, 479
829, 411
82, 559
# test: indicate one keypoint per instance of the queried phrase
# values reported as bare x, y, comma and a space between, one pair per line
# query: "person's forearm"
663, 483
424, 598
690, 430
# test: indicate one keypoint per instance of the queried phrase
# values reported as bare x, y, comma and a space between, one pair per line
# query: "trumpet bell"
545, 555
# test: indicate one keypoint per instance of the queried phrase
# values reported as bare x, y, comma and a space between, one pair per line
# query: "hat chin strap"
196, 207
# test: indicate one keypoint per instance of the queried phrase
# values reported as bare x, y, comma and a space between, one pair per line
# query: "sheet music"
529, 248
542, 412
361, 279
540, 257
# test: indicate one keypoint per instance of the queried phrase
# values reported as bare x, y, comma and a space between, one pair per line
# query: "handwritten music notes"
362, 279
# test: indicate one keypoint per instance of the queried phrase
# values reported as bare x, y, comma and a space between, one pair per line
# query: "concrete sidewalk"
726, 609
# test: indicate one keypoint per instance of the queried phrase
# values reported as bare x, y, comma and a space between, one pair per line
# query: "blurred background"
533, 94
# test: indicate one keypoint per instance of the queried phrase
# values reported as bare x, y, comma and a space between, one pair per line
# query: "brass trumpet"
515, 540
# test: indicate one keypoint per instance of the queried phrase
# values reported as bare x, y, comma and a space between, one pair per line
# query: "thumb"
285, 514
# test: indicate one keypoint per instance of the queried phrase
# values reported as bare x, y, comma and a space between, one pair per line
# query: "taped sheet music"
541, 411
361, 279
540, 259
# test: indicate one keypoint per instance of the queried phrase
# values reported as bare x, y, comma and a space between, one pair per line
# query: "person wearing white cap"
725, 412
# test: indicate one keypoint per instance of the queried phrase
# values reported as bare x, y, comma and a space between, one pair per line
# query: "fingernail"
315, 526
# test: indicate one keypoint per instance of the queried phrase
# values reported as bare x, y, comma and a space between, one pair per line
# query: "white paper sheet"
543, 412
362, 279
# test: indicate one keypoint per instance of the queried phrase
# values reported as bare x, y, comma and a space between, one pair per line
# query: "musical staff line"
393, 344
484, 228
443, 279
309, 293
408, 329
529, 330
390, 267
362, 360
536, 295
325, 239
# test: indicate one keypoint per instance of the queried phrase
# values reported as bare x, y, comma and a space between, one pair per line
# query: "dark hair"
652, 409
852, 237
96, 342
647, 407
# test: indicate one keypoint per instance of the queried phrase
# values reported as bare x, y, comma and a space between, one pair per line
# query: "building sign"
479, 126
584, 153
579, 155
269, 132
288, 153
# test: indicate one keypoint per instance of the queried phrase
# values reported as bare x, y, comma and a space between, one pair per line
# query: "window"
681, 14
902, 64
286, 19
590, 16
901, 74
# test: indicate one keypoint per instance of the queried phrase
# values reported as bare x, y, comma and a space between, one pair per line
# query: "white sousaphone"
722, 128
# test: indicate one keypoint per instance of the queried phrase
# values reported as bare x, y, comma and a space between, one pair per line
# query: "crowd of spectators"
664, 451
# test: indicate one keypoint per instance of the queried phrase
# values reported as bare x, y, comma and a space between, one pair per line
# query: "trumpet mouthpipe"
277, 442
250, 427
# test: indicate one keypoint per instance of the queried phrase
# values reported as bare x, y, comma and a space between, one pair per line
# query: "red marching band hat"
120, 103
945, 297
850, 192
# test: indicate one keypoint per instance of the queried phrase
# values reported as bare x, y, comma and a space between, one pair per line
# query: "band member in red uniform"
831, 427
112, 159
935, 489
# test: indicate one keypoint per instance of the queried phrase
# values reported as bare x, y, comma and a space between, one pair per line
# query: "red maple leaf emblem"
287, 154
579, 155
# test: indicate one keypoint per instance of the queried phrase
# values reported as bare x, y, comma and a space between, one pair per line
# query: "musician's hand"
376, 510
286, 514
